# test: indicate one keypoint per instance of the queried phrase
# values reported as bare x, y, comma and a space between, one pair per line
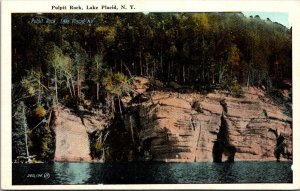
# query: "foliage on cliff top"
116, 83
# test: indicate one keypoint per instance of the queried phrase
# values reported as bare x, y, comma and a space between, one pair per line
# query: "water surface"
152, 173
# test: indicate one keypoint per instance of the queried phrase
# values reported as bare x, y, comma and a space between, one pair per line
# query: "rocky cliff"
187, 127
72, 134
213, 127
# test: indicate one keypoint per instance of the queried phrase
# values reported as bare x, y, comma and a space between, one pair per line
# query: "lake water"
152, 173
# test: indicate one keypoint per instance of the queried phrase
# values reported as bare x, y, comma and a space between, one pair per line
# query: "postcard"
149, 95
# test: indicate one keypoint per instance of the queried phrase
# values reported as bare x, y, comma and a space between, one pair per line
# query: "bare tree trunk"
202, 71
141, 66
188, 73
25, 130
56, 94
73, 87
147, 69
131, 129
207, 75
97, 88
69, 87
221, 72
39, 94
248, 79
78, 84
103, 155
203, 77
183, 73
97, 91
213, 74
161, 62
112, 105
128, 71
119, 102
169, 70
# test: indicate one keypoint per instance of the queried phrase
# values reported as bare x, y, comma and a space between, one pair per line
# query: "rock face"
213, 127
184, 127
72, 141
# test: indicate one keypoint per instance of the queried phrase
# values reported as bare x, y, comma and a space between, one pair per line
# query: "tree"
79, 58
116, 84
233, 59
98, 59
53, 57
19, 132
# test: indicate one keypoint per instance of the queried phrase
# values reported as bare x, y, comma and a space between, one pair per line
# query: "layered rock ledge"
214, 127
186, 127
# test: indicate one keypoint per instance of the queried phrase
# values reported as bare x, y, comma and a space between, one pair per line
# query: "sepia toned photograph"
151, 98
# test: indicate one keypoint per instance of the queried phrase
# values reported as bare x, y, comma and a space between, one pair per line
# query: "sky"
282, 18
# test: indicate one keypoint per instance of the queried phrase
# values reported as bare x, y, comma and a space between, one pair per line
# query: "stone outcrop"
72, 141
213, 127
184, 127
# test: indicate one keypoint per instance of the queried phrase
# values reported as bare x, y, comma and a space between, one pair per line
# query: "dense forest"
71, 59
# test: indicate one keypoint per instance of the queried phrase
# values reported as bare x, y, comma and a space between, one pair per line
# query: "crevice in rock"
280, 147
224, 105
222, 146
146, 145
281, 120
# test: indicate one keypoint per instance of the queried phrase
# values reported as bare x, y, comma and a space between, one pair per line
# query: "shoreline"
122, 162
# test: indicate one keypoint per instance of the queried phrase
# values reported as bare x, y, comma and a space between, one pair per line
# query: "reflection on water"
227, 170
72, 172
152, 173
